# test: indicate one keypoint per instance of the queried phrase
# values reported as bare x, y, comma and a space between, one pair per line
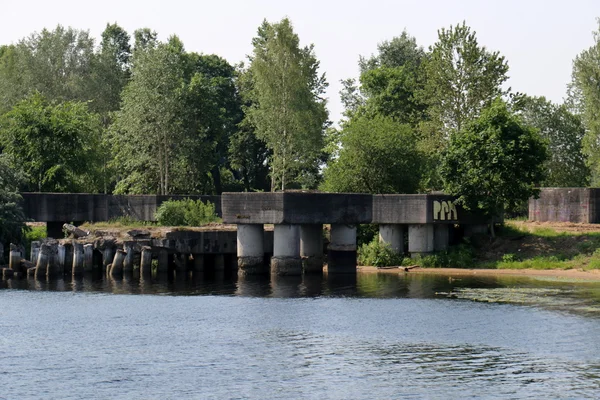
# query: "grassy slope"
521, 245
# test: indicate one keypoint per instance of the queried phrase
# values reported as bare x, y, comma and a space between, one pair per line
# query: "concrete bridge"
299, 217
57, 209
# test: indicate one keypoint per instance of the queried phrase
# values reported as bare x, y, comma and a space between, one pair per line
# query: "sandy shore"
593, 275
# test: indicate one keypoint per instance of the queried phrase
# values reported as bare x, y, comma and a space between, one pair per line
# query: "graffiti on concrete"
444, 211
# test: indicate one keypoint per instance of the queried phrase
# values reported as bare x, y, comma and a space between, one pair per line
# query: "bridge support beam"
341, 252
420, 239
286, 250
311, 248
250, 249
392, 235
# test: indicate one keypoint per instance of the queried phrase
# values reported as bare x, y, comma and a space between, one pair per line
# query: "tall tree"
462, 78
585, 100
495, 163
148, 129
55, 145
287, 108
564, 133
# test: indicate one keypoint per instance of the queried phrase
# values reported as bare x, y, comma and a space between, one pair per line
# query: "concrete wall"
579, 205
342, 208
66, 207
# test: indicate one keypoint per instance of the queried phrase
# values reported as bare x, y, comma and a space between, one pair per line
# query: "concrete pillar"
146, 261
420, 239
61, 256
41, 268
108, 255
128, 261
441, 237
88, 257
116, 269
392, 235
250, 249
286, 250
78, 259
35, 250
341, 252
53, 268
14, 259
68, 266
311, 248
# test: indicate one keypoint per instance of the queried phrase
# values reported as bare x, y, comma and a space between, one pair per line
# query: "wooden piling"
41, 268
116, 269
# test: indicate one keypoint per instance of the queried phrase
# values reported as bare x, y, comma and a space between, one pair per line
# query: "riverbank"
559, 274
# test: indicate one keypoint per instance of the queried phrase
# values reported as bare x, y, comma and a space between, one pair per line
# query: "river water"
373, 336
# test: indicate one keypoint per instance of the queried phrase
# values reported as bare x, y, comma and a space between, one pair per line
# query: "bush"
186, 213
378, 255
460, 256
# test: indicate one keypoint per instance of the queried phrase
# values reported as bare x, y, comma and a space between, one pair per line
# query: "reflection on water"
338, 336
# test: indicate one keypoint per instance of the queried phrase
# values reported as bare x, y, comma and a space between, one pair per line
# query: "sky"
539, 38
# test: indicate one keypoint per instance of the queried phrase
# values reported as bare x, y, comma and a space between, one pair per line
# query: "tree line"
137, 115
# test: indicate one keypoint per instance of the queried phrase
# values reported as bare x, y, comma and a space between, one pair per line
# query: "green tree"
55, 145
377, 155
564, 133
55, 63
462, 78
286, 108
148, 130
495, 163
12, 218
585, 101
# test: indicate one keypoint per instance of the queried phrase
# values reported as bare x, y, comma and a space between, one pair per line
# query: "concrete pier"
341, 253
88, 257
420, 239
311, 247
78, 259
35, 251
250, 249
14, 259
286, 250
146, 261
61, 256
128, 261
392, 235
116, 269
41, 268
108, 255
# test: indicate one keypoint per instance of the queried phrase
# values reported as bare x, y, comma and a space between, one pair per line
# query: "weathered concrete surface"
286, 250
581, 205
296, 208
250, 248
68, 207
341, 252
311, 247
342, 208
392, 235
420, 239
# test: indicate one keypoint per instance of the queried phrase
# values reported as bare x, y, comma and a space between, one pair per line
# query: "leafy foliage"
186, 213
462, 78
285, 103
54, 145
375, 155
12, 218
585, 100
564, 132
495, 163
378, 254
